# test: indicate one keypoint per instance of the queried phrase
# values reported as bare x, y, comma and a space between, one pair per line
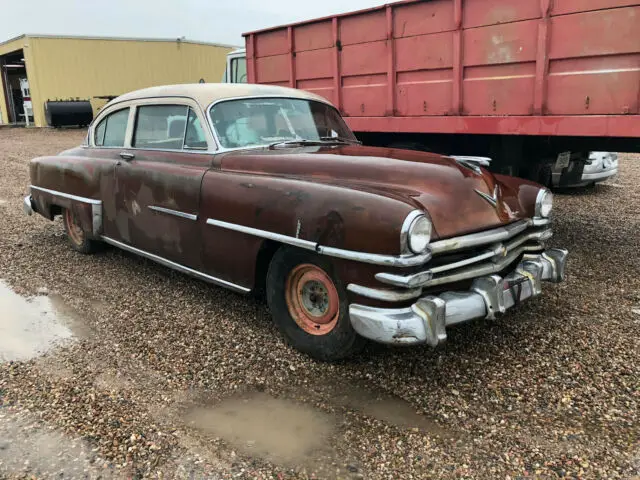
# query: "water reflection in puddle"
29, 327
297, 434
279, 429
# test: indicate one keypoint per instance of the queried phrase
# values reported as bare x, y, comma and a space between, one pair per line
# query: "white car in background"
600, 167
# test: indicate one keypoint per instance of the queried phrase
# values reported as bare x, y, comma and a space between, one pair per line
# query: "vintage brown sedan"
265, 189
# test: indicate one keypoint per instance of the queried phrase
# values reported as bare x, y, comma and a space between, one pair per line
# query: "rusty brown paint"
352, 197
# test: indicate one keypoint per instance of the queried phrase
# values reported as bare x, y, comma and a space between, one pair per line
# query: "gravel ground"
169, 377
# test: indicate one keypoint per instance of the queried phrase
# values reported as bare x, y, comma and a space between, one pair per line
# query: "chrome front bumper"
427, 320
27, 205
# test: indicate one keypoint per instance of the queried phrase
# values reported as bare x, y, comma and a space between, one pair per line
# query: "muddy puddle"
298, 434
389, 409
258, 424
29, 327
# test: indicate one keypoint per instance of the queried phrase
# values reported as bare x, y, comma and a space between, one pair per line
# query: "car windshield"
266, 121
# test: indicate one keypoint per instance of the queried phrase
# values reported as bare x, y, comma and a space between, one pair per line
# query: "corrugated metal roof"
131, 39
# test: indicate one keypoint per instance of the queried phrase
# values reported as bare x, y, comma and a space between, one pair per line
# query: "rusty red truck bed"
493, 67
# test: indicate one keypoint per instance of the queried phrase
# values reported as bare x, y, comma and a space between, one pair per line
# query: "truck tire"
309, 306
77, 237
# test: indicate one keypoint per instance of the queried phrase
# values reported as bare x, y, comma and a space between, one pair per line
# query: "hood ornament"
493, 200
473, 163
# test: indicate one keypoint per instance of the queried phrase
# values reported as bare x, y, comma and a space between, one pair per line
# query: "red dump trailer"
521, 81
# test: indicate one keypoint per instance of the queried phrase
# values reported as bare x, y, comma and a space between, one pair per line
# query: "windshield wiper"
320, 141
297, 141
340, 140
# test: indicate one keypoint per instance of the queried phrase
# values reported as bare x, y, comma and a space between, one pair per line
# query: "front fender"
315, 214
325, 214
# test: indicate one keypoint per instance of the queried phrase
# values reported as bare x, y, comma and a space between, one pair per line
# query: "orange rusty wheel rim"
73, 229
312, 299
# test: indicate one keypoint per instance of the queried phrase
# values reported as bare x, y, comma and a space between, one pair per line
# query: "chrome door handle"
127, 155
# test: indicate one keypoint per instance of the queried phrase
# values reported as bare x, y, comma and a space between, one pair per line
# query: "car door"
106, 141
158, 181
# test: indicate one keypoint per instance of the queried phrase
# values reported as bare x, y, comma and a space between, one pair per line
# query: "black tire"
341, 341
78, 239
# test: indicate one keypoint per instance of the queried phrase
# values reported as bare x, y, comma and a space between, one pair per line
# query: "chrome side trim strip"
67, 195
384, 295
176, 266
480, 238
296, 242
175, 213
373, 258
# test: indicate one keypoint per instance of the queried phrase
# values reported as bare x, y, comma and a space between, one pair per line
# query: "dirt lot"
161, 376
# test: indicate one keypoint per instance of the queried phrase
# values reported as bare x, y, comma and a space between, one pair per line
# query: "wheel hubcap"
312, 299
73, 228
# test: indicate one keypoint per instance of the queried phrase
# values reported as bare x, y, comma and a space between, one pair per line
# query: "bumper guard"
427, 320
27, 205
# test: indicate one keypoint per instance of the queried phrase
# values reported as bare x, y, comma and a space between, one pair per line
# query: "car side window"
111, 131
168, 127
194, 135
160, 127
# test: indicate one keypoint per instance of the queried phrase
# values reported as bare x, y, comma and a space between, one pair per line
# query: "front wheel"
76, 235
309, 305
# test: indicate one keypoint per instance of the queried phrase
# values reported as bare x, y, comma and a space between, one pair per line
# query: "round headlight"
544, 203
419, 235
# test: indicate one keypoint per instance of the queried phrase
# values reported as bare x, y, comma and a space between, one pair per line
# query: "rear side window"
111, 131
168, 127
194, 135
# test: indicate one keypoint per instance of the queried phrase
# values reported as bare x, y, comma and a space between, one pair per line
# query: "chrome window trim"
385, 295
189, 104
175, 213
176, 266
223, 149
102, 117
212, 146
68, 195
186, 125
373, 258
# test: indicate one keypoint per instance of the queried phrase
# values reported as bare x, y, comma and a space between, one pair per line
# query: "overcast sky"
221, 21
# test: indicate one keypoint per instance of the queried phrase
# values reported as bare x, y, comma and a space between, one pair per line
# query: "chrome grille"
469, 256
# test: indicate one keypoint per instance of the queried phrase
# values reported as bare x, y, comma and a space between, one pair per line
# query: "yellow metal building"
64, 67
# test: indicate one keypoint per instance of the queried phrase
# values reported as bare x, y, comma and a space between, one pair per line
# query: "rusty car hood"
449, 191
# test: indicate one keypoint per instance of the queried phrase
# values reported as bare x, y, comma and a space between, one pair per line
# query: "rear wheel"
76, 235
309, 305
